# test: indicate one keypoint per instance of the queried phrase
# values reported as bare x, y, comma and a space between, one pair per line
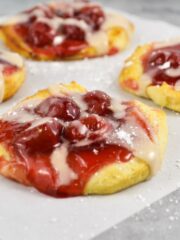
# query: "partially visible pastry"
12, 74
67, 31
67, 141
153, 71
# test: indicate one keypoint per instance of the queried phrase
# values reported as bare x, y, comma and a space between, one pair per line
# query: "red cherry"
92, 123
72, 32
94, 16
98, 102
73, 132
157, 59
8, 70
174, 60
59, 107
22, 29
41, 138
97, 126
39, 34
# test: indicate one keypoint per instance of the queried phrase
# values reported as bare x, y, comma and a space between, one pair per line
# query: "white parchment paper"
27, 214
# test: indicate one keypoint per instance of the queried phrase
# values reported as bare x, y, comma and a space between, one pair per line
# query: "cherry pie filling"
82, 139
163, 65
41, 36
7, 68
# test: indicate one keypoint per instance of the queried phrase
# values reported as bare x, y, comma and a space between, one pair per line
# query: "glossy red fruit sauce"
40, 35
7, 67
158, 61
58, 121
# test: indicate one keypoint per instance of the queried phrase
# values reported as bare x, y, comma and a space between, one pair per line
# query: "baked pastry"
153, 71
75, 30
12, 74
66, 141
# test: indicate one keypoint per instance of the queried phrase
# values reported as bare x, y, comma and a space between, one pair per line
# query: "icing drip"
118, 109
135, 139
66, 174
168, 43
11, 58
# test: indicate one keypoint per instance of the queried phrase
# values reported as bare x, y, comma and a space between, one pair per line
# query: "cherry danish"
66, 31
64, 146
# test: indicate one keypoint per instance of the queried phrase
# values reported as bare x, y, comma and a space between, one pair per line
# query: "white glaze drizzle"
167, 43
134, 138
117, 108
40, 121
98, 40
173, 72
59, 162
58, 40
18, 114
78, 99
55, 22
12, 58
146, 80
81, 127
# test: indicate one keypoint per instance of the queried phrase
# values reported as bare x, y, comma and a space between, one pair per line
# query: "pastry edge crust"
13, 82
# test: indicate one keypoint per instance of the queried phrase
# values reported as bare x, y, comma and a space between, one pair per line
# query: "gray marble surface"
161, 220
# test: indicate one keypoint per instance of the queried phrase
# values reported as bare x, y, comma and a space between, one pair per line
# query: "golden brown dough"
12, 74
